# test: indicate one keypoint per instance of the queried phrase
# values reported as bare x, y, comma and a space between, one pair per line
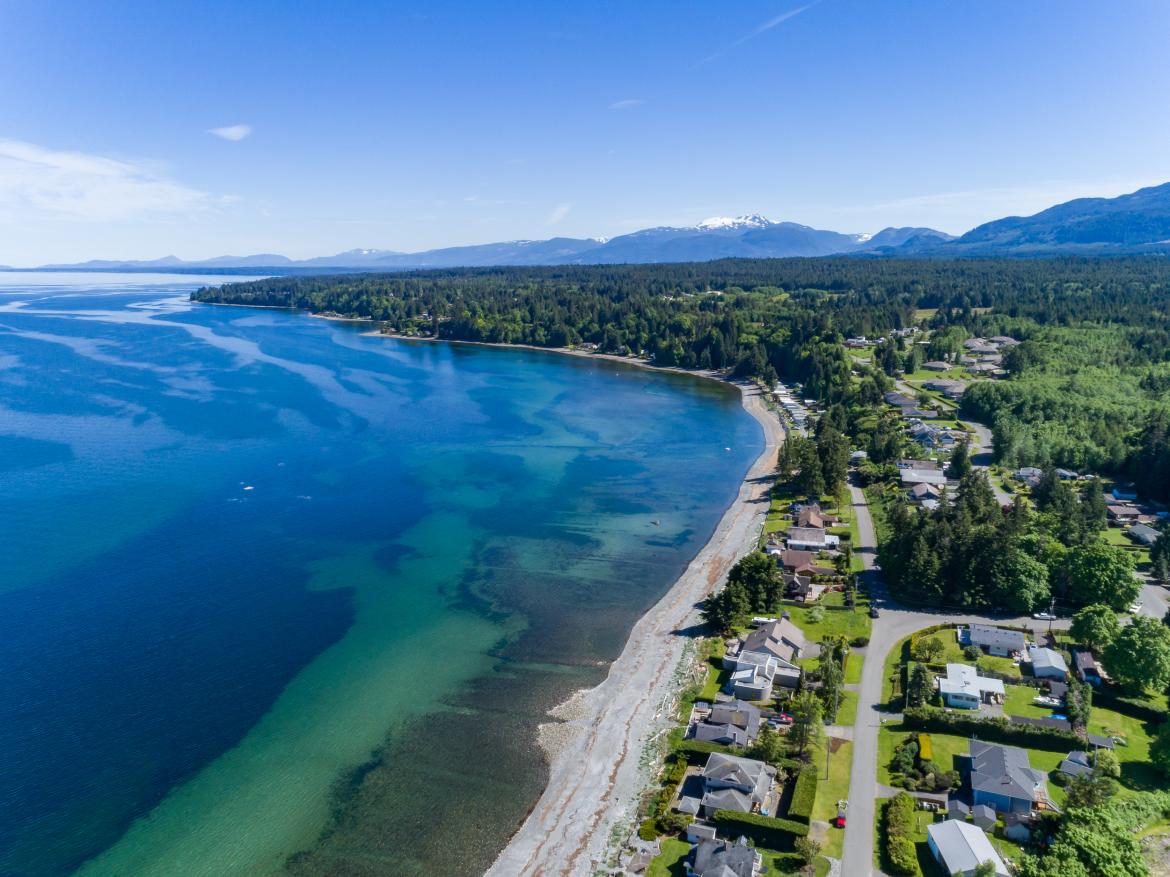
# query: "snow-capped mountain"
752, 220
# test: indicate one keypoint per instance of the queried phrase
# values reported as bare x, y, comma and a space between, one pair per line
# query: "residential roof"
925, 491
1084, 661
989, 635
727, 799
956, 809
1143, 533
920, 464
1045, 658
689, 804
781, 638
711, 732
923, 476
965, 679
1099, 741
1122, 511
745, 773
1004, 770
963, 847
1076, 764
722, 858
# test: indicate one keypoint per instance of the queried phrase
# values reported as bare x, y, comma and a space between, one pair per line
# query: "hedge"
767, 831
1110, 699
995, 730
804, 793
900, 849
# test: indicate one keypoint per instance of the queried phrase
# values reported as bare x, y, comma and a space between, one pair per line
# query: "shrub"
899, 824
804, 793
672, 822
994, 730
972, 653
648, 830
1058, 778
859, 642
767, 831
925, 750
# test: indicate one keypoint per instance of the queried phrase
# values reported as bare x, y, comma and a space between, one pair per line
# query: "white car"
1135, 608
1044, 616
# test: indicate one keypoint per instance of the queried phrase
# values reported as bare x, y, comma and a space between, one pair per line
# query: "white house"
960, 848
1048, 664
910, 477
964, 688
811, 538
996, 640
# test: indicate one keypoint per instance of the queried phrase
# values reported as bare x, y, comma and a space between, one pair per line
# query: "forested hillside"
1089, 387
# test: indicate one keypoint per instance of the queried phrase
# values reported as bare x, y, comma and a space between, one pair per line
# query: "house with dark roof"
1122, 514
1085, 666
804, 563
923, 492
1143, 534
734, 783
1076, 764
732, 724
722, 858
1001, 778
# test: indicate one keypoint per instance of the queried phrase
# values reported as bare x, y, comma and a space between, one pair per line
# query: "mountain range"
1135, 223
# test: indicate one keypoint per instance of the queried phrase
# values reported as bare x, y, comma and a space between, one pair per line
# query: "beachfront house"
803, 563
1048, 663
994, 640
963, 688
722, 858
730, 724
1001, 778
767, 655
960, 848
734, 783
811, 538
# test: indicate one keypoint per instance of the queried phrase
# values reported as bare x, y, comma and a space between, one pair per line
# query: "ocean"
281, 597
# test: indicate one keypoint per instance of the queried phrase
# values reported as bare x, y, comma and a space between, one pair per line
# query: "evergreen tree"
960, 464
920, 686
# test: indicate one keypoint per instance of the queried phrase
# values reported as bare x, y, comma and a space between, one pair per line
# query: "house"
722, 858
1003, 341
1143, 534
766, 655
899, 400
734, 783
1076, 764
910, 477
951, 389
858, 456
996, 640
1122, 514
781, 638
753, 676
1029, 475
936, 365
799, 562
1067, 475
964, 688
732, 724
1001, 778
923, 491
1124, 494
698, 831
1048, 663
816, 538
961, 848
811, 516
923, 465
1085, 666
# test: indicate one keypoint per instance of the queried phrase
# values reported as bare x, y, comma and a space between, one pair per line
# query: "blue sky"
407, 126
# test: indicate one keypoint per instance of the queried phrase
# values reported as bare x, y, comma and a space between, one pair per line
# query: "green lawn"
954, 655
1116, 536
716, 675
890, 672
669, 862
1018, 702
943, 746
847, 714
836, 620
853, 664
1136, 770
832, 790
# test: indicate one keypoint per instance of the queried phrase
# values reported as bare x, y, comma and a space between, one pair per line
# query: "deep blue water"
244, 552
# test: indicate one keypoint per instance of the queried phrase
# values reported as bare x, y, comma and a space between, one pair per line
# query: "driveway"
895, 622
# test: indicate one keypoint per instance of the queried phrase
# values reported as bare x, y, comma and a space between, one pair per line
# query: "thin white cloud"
627, 104
775, 21
232, 132
559, 213
35, 181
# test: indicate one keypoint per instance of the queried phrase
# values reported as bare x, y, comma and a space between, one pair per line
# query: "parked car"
1135, 608
842, 812
1044, 616
873, 612
784, 719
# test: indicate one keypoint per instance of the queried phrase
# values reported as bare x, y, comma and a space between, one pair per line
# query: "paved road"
895, 622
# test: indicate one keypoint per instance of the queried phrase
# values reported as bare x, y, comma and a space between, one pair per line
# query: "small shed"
983, 816
956, 809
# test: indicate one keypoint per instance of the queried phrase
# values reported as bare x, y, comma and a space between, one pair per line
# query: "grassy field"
832, 790
669, 862
954, 655
853, 665
716, 675
944, 746
847, 714
1116, 536
1018, 702
890, 671
1136, 770
836, 619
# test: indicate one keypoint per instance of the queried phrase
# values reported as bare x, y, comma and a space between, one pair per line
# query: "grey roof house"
996, 640
1048, 663
722, 858
1076, 764
734, 783
1143, 534
734, 724
960, 848
1001, 778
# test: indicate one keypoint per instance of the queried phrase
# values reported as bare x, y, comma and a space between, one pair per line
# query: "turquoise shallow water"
278, 597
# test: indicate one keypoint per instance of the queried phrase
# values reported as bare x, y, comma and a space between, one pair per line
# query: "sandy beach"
596, 772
